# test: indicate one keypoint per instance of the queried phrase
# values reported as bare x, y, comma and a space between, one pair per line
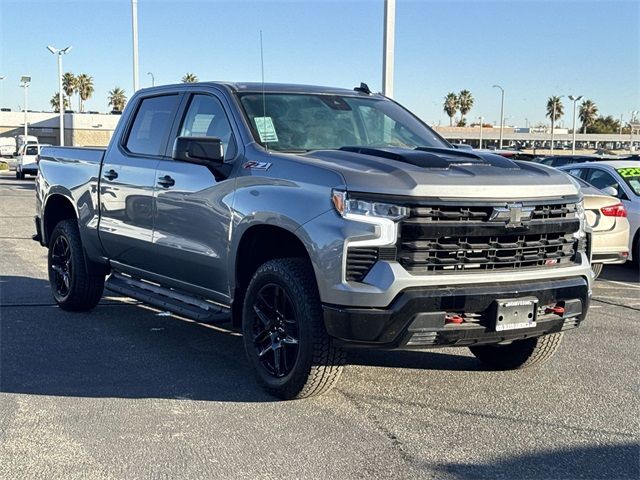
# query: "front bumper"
416, 317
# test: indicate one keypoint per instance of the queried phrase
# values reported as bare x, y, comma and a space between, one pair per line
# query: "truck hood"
442, 173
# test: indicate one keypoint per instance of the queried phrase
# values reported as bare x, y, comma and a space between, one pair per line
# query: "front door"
193, 208
128, 181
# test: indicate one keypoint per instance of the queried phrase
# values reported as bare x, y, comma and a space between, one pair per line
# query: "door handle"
111, 174
166, 181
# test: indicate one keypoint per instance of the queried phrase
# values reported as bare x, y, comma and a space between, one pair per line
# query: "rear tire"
520, 353
284, 336
76, 285
597, 269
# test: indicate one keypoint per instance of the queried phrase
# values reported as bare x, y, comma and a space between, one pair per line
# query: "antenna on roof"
363, 88
264, 100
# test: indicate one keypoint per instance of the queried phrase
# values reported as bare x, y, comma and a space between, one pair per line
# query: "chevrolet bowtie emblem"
513, 215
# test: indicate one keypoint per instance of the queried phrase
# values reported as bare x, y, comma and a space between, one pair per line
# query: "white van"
7, 146
27, 163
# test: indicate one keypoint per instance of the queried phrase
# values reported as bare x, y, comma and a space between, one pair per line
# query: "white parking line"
622, 283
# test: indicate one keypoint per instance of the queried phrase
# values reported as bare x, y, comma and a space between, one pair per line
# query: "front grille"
486, 252
456, 238
450, 213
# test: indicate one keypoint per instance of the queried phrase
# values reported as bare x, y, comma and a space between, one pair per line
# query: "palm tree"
55, 102
588, 114
555, 110
465, 102
84, 88
450, 106
68, 86
190, 78
117, 99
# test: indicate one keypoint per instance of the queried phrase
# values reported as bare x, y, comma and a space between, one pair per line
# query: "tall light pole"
621, 115
631, 124
553, 122
388, 47
501, 111
481, 119
60, 52
25, 81
134, 22
2, 89
153, 79
575, 101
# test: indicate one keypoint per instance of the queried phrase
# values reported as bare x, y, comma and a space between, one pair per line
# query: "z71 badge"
257, 165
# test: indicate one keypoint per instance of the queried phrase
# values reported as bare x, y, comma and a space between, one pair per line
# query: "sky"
533, 49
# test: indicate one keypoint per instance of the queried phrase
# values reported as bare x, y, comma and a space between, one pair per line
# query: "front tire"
284, 336
75, 284
520, 353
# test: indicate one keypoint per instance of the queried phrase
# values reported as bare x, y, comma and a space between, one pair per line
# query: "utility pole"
481, 120
575, 101
25, 81
134, 20
501, 112
388, 47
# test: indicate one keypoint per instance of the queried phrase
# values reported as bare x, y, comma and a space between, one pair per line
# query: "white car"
27, 163
621, 179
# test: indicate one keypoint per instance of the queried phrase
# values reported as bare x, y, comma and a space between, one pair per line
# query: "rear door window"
151, 125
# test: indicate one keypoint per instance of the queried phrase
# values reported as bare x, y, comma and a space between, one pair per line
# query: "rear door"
128, 180
193, 204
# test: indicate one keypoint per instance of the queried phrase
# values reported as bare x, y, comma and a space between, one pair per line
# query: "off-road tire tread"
327, 359
520, 354
87, 284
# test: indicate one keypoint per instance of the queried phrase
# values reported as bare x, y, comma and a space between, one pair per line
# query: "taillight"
616, 210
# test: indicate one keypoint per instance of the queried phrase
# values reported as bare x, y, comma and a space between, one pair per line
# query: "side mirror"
199, 150
613, 191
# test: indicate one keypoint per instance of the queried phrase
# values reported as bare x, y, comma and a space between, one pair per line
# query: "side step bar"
183, 304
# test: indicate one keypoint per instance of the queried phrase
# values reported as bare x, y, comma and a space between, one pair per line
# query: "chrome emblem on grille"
513, 215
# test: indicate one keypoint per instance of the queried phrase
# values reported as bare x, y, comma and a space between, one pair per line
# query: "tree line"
587, 113
82, 86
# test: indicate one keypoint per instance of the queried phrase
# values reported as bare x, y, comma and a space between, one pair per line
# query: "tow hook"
557, 309
453, 318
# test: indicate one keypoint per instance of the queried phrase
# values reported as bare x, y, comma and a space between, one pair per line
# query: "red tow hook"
558, 310
452, 318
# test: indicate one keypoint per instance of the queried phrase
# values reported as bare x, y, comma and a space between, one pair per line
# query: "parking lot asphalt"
128, 392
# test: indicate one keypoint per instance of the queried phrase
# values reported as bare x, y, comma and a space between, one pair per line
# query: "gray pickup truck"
316, 220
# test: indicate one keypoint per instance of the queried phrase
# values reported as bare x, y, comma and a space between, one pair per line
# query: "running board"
185, 305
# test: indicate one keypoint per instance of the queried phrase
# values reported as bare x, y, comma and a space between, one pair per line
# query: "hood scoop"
433, 158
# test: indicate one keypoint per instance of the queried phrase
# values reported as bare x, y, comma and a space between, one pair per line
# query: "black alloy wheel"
61, 267
275, 330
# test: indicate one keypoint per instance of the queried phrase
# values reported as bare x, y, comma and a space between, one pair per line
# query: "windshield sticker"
629, 172
266, 130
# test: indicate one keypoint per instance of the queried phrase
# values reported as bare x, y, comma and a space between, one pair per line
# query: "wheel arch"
258, 244
58, 207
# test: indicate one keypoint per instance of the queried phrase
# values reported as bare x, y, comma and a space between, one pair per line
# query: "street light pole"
481, 119
25, 80
153, 79
621, 115
388, 47
1, 88
60, 53
501, 112
134, 21
575, 101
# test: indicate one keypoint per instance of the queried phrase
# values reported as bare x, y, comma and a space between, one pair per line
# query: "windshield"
32, 150
631, 176
292, 122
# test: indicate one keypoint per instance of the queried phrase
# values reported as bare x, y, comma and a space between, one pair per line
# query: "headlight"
351, 206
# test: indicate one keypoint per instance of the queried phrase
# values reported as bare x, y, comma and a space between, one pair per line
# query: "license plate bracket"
515, 313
